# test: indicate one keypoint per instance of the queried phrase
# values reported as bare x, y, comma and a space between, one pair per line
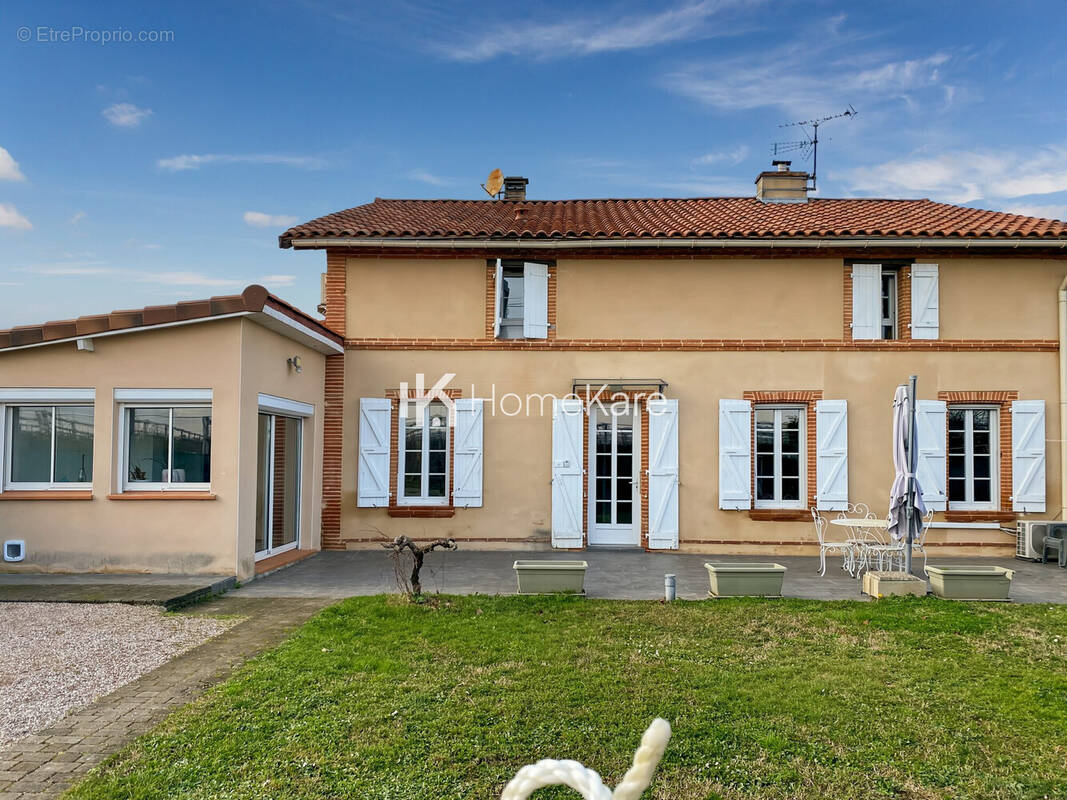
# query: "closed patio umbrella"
906, 507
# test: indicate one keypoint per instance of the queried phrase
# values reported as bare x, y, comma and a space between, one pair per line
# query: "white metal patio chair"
844, 547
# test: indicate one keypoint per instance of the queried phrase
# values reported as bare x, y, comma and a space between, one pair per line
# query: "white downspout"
1063, 396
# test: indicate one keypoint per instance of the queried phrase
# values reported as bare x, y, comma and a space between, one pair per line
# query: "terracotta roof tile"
252, 299
701, 217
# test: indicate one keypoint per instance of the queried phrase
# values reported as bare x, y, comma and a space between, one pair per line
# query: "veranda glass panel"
147, 451
31, 444
192, 445
74, 444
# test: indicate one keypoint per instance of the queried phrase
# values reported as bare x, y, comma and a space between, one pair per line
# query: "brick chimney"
782, 185
515, 188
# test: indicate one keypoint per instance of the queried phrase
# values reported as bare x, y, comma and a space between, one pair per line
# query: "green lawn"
379, 699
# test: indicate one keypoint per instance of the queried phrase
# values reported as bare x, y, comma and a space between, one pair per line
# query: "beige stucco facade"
237, 360
981, 299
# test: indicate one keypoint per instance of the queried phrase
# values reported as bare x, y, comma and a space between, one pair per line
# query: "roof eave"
560, 243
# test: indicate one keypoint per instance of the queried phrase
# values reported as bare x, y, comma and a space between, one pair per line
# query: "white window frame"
802, 446
512, 324
125, 484
7, 420
893, 321
401, 443
994, 461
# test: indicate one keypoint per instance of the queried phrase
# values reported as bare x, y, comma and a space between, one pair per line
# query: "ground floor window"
780, 448
423, 458
166, 445
49, 445
972, 457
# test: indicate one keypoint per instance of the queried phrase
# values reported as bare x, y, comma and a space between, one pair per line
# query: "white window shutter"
866, 301
663, 474
467, 466
535, 285
568, 420
924, 301
735, 454
499, 287
1028, 455
372, 475
932, 470
831, 455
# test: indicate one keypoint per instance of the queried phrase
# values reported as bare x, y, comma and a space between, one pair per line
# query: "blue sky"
134, 173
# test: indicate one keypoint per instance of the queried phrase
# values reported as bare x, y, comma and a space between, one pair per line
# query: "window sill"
47, 494
163, 496
422, 512
780, 514
980, 516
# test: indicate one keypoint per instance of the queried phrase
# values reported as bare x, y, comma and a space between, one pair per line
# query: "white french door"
614, 477
278, 484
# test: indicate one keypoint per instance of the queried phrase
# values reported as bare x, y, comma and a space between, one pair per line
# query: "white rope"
587, 782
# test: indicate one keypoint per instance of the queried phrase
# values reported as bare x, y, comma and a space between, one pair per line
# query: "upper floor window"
521, 310
889, 304
972, 457
876, 293
512, 306
49, 446
780, 448
167, 445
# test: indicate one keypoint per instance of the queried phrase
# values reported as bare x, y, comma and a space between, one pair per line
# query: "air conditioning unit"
1031, 534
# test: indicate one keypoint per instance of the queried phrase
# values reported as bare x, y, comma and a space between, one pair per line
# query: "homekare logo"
512, 404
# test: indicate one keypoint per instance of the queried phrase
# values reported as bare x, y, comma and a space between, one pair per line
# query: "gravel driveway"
58, 656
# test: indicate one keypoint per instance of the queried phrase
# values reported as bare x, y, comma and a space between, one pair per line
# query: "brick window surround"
903, 298
801, 397
414, 511
490, 304
1001, 399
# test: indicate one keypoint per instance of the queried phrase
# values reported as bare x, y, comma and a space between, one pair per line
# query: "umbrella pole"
909, 505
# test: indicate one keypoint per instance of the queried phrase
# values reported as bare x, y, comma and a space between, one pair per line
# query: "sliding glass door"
278, 484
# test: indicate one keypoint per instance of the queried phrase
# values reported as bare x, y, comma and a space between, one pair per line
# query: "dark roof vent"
515, 188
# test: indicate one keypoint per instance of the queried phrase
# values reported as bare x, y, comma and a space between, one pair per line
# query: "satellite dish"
494, 183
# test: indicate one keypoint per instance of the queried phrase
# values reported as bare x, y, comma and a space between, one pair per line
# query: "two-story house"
744, 352
690, 374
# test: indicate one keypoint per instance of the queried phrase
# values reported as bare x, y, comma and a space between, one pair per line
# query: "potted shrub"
548, 577
971, 583
762, 579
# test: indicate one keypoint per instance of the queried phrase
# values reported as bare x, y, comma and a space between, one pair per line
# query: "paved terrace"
619, 574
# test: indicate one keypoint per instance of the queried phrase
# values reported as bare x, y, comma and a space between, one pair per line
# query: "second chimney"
515, 188
782, 185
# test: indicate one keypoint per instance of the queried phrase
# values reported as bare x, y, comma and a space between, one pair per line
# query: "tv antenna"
810, 145
494, 183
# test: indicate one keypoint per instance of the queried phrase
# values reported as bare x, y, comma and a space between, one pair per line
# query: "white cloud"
422, 176
964, 176
1044, 212
277, 281
732, 157
11, 218
9, 167
184, 278
820, 70
126, 115
72, 269
258, 219
78, 217
192, 161
604, 33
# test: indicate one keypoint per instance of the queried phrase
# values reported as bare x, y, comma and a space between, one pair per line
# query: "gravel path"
55, 657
